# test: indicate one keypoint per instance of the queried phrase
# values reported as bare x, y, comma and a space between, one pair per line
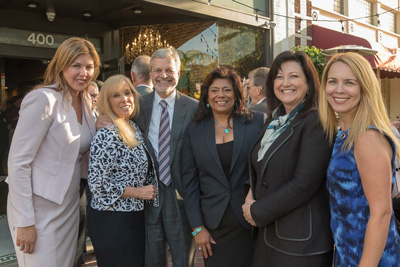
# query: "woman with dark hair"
214, 168
288, 200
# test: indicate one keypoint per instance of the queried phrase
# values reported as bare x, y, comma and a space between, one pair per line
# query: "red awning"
387, 59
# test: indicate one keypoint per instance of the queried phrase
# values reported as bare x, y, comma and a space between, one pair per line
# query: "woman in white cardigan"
53, 133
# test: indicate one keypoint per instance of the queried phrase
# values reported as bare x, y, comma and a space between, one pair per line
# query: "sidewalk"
8, 258
7, 253
90, 260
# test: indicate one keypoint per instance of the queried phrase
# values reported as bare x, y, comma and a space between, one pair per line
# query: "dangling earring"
236, 104
208, 105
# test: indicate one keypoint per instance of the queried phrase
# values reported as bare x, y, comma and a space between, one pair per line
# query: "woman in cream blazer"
53, 134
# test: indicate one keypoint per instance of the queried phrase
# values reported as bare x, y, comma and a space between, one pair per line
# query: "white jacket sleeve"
35, 119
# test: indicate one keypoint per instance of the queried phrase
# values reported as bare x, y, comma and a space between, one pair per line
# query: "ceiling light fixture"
137, 10
148, 41
32, 4
87, 14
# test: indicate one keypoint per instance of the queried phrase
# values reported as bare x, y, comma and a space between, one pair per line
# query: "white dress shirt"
261, 100
156, 117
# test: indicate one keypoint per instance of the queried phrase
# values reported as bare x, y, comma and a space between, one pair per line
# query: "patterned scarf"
275, 128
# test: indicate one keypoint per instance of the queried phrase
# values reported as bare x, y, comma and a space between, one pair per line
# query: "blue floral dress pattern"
350, 209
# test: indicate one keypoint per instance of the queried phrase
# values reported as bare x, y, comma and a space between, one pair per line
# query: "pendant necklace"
226, 128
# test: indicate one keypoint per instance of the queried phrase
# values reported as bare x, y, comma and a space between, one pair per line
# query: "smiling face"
221, 97
290, 85
164, 75
79, 74
343, 91
122, 102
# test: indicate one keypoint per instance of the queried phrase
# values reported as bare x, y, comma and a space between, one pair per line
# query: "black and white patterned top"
113, 166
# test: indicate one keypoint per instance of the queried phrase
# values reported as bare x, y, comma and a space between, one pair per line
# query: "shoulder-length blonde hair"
371, 109
65, 55
111, 86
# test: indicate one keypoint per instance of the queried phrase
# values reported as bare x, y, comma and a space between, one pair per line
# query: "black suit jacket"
292, 207
207, 190
183, 112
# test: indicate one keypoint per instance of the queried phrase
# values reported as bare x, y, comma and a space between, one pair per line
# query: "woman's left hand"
26, 239
246, 211
204, 240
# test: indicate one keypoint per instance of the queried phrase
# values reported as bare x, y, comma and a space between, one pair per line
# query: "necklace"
225, 127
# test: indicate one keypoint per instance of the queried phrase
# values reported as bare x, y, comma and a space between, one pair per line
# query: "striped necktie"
164, 141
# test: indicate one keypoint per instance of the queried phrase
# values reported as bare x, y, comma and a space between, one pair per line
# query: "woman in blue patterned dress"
360, 173
121, 176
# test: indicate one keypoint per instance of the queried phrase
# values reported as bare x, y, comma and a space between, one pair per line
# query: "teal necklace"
225, 127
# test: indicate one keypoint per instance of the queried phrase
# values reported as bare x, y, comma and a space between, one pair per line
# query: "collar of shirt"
260, 101
142, 84
170, 101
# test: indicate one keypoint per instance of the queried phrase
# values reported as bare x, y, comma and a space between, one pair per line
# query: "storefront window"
223, 43
206, 45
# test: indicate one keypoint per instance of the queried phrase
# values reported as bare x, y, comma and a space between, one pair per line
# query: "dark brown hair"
204, 112
310, 73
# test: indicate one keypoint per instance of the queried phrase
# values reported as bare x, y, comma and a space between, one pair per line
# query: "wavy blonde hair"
371, 109
111, 86
65, 55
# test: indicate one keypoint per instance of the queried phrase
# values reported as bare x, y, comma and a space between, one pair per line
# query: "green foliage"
195, 65
318, 59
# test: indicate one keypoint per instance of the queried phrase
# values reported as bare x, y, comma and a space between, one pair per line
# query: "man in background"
257, 89
93, 90
140, 75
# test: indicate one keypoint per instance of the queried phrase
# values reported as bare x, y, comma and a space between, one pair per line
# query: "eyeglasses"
94, 96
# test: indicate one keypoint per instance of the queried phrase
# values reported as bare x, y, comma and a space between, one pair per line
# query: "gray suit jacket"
260, 107
143, 89
185, 107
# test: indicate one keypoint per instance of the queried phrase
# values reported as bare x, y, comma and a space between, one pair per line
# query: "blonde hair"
65, 55
112, 85
371, 109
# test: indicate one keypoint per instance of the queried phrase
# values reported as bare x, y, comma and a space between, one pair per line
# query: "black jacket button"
264, 184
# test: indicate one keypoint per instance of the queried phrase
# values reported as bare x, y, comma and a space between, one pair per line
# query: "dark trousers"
81, 245
118, 237
172, 228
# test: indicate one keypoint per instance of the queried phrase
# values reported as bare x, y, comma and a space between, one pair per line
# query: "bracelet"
196, 231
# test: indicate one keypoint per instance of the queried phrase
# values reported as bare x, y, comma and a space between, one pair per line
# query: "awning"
387, 60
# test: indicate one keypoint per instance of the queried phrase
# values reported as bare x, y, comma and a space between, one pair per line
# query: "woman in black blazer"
288, 200
214, 169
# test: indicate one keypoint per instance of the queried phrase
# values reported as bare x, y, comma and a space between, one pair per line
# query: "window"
365, 10
388, 20
338, 6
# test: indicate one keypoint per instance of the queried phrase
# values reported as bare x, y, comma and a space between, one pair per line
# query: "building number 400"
41, 39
